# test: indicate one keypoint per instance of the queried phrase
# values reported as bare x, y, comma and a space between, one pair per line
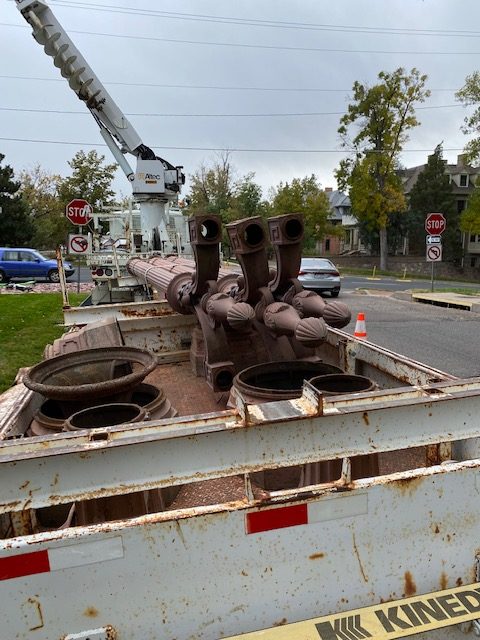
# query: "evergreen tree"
16, 227
432, 193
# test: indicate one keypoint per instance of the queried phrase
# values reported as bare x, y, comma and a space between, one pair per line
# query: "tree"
216, 189
91, 179
39, 190
15, 224
212, 187
469, 95
383, 113
470, 216
305, 196
432, 192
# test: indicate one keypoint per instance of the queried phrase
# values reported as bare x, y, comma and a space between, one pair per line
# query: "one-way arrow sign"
434, 239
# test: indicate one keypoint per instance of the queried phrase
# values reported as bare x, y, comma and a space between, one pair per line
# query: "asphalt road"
446, 339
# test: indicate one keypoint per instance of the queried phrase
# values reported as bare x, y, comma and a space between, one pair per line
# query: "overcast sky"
266, 79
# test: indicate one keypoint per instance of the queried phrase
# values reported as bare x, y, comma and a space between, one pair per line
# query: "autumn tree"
469, 95
470, 216
382, 115
90, 179
212, 186
305, 196
39, 190
217, 189
432, 192
16, 227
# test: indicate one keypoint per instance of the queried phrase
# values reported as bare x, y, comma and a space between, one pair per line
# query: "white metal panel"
172, 452
416, 536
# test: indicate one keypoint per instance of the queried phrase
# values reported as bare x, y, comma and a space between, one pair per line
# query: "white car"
320, 275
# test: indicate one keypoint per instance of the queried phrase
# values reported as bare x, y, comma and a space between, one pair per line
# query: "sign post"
79, 212
435, 225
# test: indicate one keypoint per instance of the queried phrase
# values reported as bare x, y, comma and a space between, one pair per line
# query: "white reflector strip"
395, 619
329, 508
77, 555
46, 560
336, 507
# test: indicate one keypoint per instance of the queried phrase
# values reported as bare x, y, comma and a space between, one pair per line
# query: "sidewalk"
442, 299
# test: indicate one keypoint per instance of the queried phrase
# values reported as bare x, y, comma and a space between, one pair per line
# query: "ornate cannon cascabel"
286, 236
282, 319
248, 241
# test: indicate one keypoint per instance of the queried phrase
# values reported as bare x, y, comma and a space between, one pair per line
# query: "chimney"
328, 189
462, 160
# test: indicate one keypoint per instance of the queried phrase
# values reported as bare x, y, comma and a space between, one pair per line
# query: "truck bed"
227, 556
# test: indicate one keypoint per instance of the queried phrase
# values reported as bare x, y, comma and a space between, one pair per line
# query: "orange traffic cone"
360, 328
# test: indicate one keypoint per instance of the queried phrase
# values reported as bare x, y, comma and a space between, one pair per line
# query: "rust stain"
409, 587
154, 313
443, 580
316, 556
90, 612
280, 623
407, 485
365, 418
436, 529
355, 548
244, 573
36, 602
110, 632
24, 485
459, 582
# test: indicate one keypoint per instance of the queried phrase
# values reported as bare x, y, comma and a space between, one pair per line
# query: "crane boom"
154, 176
155, 182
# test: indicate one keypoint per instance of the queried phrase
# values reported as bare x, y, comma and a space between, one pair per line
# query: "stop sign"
435, 224
79, 211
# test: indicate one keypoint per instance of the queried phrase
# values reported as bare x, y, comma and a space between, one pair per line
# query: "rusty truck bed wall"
286, 556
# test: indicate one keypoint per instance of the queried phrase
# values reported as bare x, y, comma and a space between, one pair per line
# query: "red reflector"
269, 519
25, 564
300, 273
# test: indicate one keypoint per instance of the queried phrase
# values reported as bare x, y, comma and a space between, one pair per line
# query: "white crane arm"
48, 32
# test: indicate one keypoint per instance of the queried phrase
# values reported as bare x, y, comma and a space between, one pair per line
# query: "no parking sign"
79, 244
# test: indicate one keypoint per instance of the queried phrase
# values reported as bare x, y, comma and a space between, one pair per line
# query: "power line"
266, 23
207, 87
211, 115
232, 149
265, 47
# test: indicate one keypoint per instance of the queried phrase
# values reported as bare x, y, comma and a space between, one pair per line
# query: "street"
446, 339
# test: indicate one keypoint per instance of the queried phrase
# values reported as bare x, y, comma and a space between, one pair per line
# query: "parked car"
320, 275
29, 264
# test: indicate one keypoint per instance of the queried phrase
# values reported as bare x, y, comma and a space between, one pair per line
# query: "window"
464, 180
327, 244
10, 255
473, 237
26, 256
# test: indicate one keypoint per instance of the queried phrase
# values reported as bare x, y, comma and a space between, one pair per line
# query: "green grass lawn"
27, 323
